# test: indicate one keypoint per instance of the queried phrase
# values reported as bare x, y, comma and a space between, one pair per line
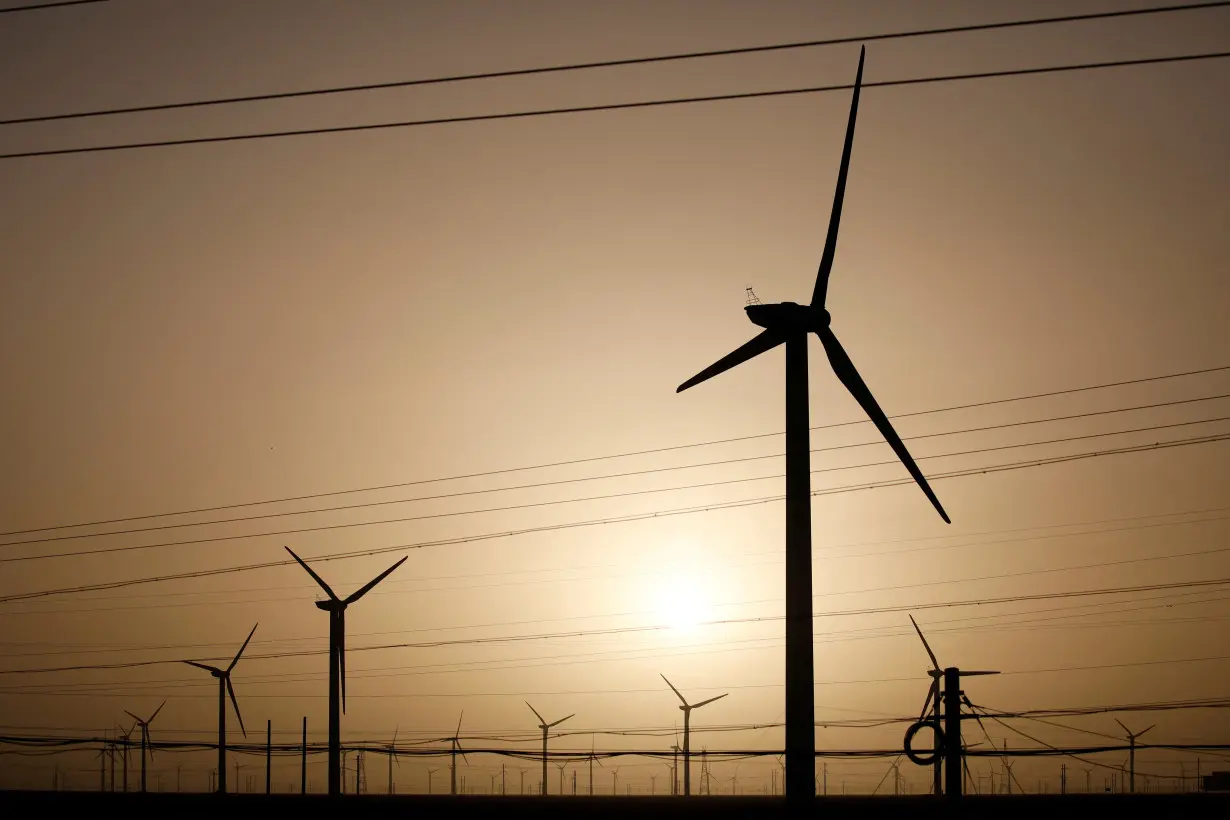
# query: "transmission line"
628, 454
631, 61
626, 106
43, 6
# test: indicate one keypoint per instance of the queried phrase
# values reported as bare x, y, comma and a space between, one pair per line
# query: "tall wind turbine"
542, 724
456, 747
789, 323
687, 708
225, 688
336, 607
144, 724
1132, 754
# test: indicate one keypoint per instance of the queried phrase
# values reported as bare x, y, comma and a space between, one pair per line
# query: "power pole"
1063, 778
522, 771
268, 756
503, 787
303, 761
952, 731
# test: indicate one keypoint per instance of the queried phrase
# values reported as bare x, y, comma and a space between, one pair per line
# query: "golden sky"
211, 325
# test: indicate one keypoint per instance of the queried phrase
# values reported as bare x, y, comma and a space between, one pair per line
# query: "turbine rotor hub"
788, 316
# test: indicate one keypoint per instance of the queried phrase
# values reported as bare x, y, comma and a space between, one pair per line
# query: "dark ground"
38, 805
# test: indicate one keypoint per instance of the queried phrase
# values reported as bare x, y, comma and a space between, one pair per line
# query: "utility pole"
503, 789
179, 778
675, 769
268, 756
952, 731
303, 762
522, 771
1063, 778
826, 779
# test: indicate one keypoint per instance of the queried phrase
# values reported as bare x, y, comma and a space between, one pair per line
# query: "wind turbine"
393, 757
1132, 754
336, 607
225, 688
947, 743
144, 724
127, 736
687, 708
592, 758
542, 724
790, 323
456, 747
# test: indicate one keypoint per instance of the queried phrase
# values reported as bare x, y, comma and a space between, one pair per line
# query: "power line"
42, 6
594, 522
629, 474
628, 454
1041, 596
631, 61
627, 106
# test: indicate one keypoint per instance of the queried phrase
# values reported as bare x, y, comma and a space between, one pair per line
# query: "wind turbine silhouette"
225, 688
789, 323
456, 747
144, 724
953, 718
542, 724
1132, 754
336, 607
687, 708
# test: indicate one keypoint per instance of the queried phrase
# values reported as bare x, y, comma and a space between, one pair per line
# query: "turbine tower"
336, 607
225, 688
542, 724
687, 708
144, 724
1131, 755
789, 323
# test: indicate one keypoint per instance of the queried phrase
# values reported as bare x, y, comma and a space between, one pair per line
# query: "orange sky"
213, 325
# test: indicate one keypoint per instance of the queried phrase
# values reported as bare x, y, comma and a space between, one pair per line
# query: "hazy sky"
208, 325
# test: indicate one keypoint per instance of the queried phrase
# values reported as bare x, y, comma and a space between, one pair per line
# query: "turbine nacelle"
788, 316
332, 605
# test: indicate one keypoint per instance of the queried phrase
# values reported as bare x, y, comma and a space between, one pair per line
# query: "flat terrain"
1043, 807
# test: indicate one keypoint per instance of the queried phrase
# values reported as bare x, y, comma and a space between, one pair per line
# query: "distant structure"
687, 708
790, 324
542, 724
225, 688
336, 607
1132, 753
144, 724
454, 748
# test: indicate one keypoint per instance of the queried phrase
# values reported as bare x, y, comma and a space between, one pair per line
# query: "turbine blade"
241, 649
341, 654
1142, 731
230, 690
204, 666
535, 711
931, 693
138, 720
156, 711
830, 241
934, 663
710, 700
965, 674
459, 717
676, 691
328, 590
356, 596
764, 342
844, 368
1126, 729
561, 720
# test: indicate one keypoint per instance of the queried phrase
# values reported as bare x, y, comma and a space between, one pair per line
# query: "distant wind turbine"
1132, 754
225, 688
952, 705
144, 724
456, 747
789, 323
336, 607
542, 724
687, 708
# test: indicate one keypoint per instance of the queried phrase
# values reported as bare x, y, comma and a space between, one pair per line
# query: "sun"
682, 601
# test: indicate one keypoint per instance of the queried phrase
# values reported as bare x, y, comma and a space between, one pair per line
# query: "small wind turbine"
456, 747
127, 736
393, 757
542, 724
225, 688
789, 323
336, 607
592, 758
144, 724
952, 704
687, 708
431, 773
1132, 753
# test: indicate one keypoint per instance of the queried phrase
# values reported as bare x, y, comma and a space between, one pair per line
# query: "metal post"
800, 674
952, 731
335, 704
303, 763
268, 756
